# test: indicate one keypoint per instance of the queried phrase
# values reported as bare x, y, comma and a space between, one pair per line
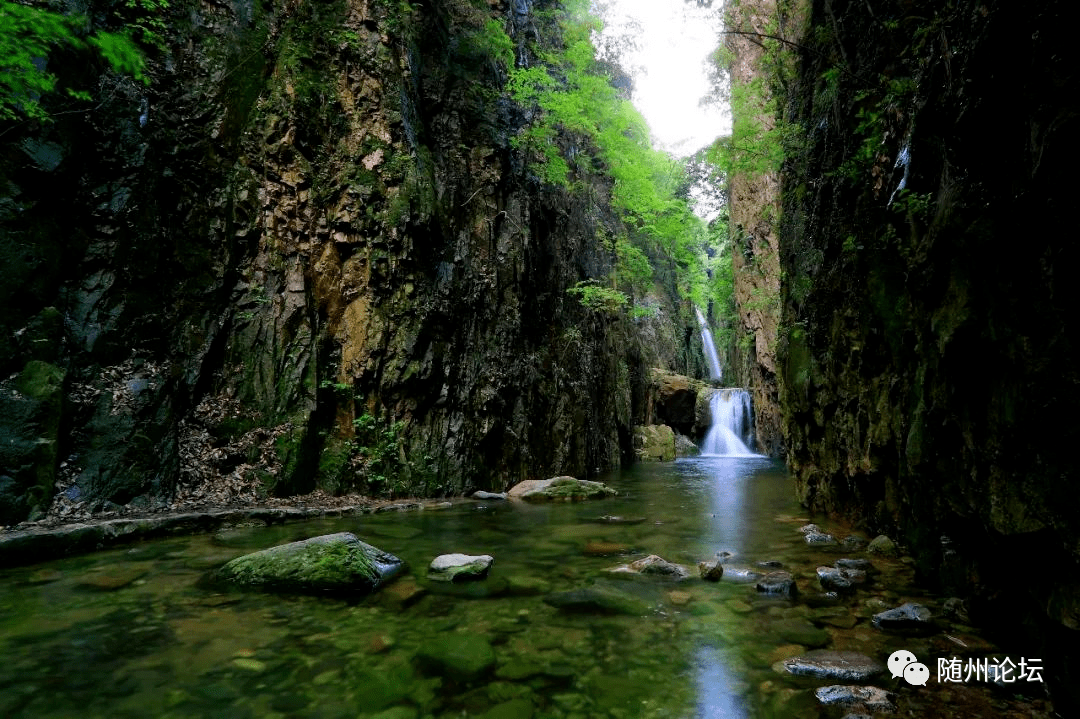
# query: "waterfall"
710, 349
731, 422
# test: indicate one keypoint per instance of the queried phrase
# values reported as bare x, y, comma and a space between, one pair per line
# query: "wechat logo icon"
903, 663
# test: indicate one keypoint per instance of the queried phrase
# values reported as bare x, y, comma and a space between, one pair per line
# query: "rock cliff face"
928, 357
307, 253
754, 207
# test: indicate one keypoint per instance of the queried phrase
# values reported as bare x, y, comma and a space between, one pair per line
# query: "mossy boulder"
335, 563
565, 489
654, 443
30, 416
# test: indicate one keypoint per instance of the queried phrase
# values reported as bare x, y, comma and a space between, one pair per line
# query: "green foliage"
581, 125
29, 35
599, 298
489, 43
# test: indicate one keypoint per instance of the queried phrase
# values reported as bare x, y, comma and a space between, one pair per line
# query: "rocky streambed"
698, 591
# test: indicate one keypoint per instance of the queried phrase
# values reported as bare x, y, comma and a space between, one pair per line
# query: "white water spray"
731, 418
710, 349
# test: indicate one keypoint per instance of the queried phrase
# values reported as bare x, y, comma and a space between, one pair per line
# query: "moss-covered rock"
654, 443
336, 563
564, 489
30, 420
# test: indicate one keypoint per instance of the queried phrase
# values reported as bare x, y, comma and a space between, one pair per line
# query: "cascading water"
731, 422
710, 349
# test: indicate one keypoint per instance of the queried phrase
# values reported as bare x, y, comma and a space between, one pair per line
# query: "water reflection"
716, 687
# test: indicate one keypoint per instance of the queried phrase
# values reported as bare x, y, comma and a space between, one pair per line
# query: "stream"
138, 632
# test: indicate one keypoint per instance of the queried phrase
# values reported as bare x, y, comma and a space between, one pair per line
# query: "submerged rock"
560, 489
459, 567
800, 631
599, 598
829, 664
872, 698
459, 657
861, 564
908, 618
330, 563
843, 581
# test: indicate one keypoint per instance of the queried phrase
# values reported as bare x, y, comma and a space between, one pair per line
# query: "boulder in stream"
655, 566
560, 489
779, 584
873, 698
908, 618
459, 567
338, 563
829, 664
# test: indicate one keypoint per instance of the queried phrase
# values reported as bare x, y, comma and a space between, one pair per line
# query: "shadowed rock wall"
928, 357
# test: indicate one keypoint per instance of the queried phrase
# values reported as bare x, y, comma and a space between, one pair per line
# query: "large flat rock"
338, 563
560, 489
829, 664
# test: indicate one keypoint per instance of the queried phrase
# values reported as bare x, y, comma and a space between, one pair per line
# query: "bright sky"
674, 39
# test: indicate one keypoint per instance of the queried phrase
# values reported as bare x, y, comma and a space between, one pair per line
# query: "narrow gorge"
576, 420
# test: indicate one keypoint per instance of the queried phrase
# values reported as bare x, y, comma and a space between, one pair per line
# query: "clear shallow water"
135, 633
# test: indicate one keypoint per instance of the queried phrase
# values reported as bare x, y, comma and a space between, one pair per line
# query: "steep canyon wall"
928, 355
307, 256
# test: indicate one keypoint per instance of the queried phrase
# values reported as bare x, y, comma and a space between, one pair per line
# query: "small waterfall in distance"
731, 422
710, 349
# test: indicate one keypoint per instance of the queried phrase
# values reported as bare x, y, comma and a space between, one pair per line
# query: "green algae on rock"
331, 563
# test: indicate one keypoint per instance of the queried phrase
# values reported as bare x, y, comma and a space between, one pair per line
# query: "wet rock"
459, 567
654, 443
842, 581
780, 584
710, 571
829, 664
600, 599
654, 565
864, 565
770, 564
854, 541
825, 599
684, 447
819, 538
908, 618
330, 563
560, 489
872, 698
883, 547
459, 657
481, 494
